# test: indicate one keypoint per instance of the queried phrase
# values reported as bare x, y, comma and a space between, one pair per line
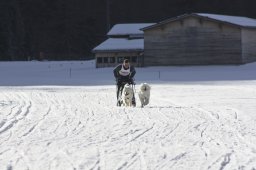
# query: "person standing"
124, 73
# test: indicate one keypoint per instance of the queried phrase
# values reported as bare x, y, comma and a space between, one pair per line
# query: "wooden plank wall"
249, 45
192, 42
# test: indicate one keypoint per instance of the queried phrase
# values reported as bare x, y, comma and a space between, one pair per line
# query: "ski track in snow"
81, 128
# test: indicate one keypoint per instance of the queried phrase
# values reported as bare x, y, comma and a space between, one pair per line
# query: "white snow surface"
120, 44
128, 29
63, 116
238, 20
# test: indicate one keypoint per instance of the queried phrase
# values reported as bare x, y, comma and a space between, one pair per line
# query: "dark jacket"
119, 67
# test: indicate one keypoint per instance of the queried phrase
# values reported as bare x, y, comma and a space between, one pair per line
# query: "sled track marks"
22, 107
223, 161
37, 124
141, 134
81, 128
15, 119
129, 161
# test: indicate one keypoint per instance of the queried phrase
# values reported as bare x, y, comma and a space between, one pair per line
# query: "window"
112, 59
105, 59
99, 59
120, 59
134, 59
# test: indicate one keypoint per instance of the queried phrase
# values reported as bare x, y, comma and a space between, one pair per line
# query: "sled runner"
119, 90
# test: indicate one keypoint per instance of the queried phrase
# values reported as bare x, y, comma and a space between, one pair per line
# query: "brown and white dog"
127, 95
144, 94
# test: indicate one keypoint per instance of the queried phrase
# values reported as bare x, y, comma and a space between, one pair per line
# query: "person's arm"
116, 71
133, 72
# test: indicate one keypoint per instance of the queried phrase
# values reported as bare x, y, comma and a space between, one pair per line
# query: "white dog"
144, 94
127, 95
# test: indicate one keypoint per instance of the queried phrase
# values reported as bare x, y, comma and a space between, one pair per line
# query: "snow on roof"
241, 21
236, 20
128, 29
120, 44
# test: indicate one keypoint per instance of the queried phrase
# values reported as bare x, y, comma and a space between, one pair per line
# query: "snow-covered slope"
80, 73
198, 118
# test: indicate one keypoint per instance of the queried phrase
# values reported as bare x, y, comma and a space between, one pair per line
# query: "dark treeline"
69, 29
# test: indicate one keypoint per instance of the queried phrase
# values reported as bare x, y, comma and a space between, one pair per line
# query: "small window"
105, 59
140, 59
112, 59
134, 59
99, 59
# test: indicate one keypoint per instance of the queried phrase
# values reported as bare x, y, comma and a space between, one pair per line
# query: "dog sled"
119, 91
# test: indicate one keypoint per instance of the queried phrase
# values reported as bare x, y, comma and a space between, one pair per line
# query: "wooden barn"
200, 39
125, 41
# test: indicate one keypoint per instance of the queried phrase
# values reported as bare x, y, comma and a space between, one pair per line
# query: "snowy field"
62, 116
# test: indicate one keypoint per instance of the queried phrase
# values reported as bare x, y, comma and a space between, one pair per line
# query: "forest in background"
70, 29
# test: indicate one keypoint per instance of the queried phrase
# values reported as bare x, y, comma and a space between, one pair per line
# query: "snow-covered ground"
62, 116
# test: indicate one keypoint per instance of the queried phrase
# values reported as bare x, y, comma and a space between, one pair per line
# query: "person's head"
126, 63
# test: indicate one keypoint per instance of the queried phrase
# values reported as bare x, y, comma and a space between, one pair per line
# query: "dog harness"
124, 72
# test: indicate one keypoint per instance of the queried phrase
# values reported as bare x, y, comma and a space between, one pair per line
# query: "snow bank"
79, 73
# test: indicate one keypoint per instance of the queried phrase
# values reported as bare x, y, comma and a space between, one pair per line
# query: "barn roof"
128, 29
120, 44
234, 20
241, 21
